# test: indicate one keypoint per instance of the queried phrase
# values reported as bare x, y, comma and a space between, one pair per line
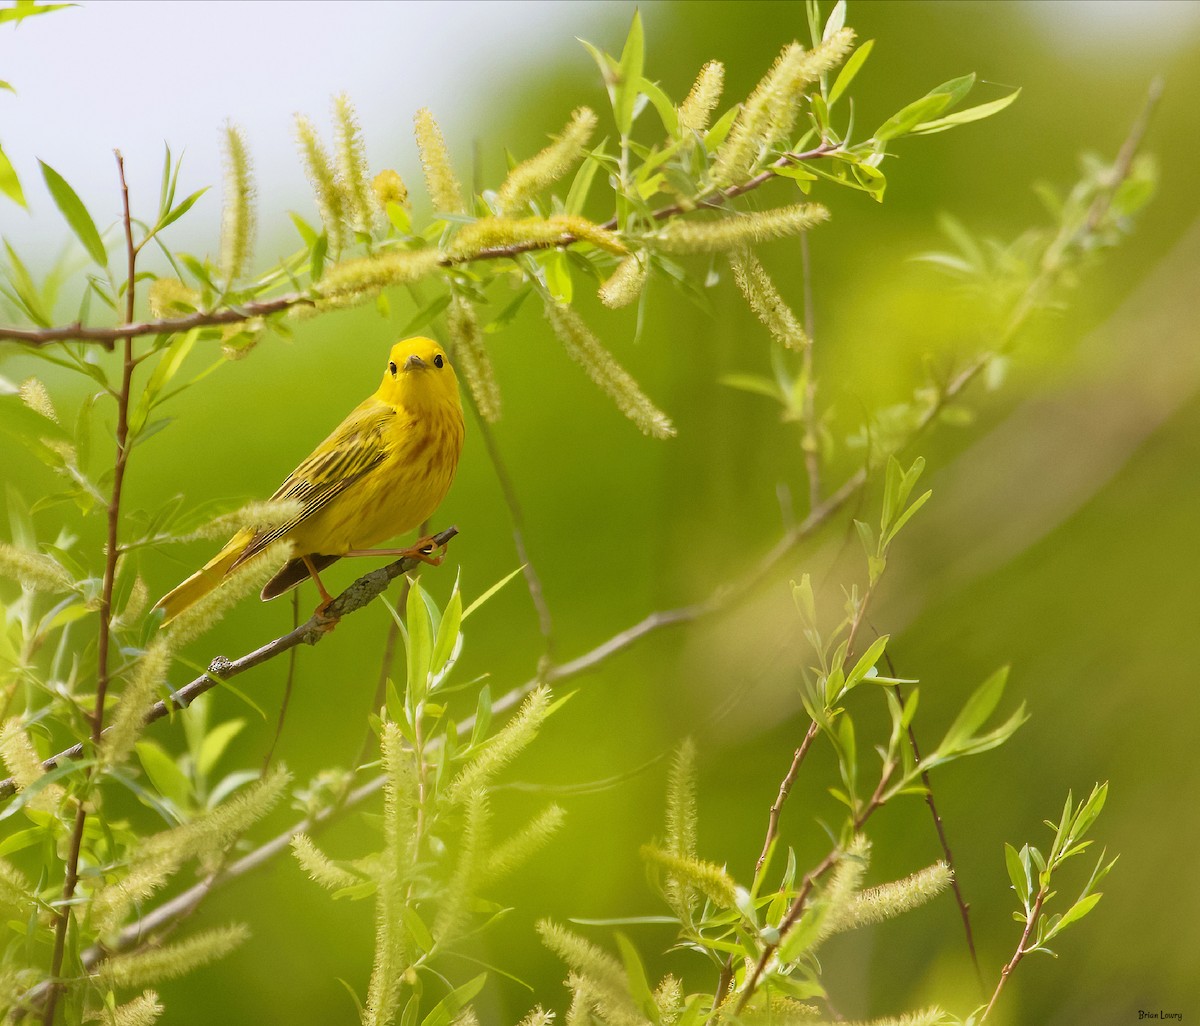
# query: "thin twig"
785, 788
964, 907
533, 581
289, 681
111, 552
1020, 953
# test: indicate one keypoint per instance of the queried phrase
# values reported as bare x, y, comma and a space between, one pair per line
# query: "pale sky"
130, 74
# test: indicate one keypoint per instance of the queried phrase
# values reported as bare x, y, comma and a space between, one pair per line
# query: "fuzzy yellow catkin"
530, 177
701, 100
504, 746
596, 975
143, 1010
331, 201
34, 395
237, 215
152, 965
320, 868
585, 349
357, 280
668, 997
250, 576
889, 900
352, 165
766, 302
25, 765
33, 570
383, 989
148, 676
440, 179
508, 855
389, 187
737, 231
258, 515
169, 297
471, 356
624, 285
706, 877
538, 1016
769, 113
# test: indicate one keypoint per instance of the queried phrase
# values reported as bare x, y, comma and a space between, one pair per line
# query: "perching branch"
360, 593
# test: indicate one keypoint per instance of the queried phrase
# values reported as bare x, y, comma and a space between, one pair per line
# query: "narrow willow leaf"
852, 67
10, 184
72, 208
964, 117
629, 71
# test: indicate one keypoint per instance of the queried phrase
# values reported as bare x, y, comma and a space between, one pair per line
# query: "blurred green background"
1061, 538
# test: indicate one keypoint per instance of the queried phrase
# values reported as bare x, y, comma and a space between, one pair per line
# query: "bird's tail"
204, 580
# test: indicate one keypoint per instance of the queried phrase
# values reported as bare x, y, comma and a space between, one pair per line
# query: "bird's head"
418, 373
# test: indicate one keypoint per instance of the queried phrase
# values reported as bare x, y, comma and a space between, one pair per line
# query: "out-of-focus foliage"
616, 527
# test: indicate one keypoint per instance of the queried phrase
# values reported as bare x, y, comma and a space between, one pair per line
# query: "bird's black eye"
438, 361
392, 367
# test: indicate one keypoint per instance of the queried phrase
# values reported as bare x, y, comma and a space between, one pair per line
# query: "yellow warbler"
382, 472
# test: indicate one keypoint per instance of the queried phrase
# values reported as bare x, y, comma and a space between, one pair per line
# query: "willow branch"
111, 551
363, 591
265, 307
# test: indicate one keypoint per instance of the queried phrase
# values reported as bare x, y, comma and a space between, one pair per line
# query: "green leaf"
445, 1010
483, 715
182, 208
867, 661
720, 129
635, 977
416, 928
907, 118
836, 20
979, 707
418, 642
26, 292
1018, 873
490, 592
851, 68
399, 218
164, 774
667, 111
1075, 913
755, 383
629, 73
964, 117
215, 743
10, 184
582, 183
447, 633
22, 10
68, 201
558, 275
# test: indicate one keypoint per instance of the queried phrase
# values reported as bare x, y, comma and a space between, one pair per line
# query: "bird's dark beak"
414, 362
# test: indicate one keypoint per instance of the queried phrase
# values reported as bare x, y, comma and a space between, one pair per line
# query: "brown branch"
1020, 953
785, 788
360, 593
167, 326
262, 308
111, 552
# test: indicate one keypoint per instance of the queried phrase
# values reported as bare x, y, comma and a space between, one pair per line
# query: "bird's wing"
353, 450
